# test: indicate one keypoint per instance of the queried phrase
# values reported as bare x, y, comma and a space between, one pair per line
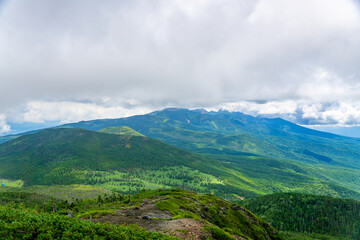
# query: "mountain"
235, 163
259, 145
236, 133
303, 213
13, 136
117, 162
127, 164
51, 155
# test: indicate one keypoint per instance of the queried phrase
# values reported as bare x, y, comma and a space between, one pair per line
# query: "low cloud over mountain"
67, 61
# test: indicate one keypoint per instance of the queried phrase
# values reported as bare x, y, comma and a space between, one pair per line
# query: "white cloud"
343, 113
253, 108
299, 57
305, 113
300, 112
4, 127
324, 86
65, 112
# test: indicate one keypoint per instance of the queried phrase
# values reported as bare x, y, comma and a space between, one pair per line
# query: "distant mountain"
349, 131
7, 138
238, 138
126, 163
13, 136
236, 133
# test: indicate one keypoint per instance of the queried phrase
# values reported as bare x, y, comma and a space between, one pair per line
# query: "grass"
68, 192
266, 175
29, 224
123, 130
167, 177
222, 217
60, 192
11, 183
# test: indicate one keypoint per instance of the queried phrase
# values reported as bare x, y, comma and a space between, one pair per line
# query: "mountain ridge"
286, 138
128, 164
252, 148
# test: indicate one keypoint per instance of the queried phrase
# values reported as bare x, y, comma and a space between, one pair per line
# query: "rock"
235, 207
146, 217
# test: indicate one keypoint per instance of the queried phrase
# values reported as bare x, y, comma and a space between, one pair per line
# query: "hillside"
13, 136
303, 213
115, 162
234, 132
201, 214
231, 136
29, 224
185, 214
178, 213
131, 163
123, 130
60, 156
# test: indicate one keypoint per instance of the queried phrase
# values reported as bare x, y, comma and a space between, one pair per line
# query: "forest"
295, 212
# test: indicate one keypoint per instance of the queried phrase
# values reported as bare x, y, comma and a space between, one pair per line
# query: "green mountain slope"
178, 213
201, 131
123, 130
331, 158
115, 162
29, 224
274, 175
309, 214
200, 216
50, 156
7, 138
185, 214
131, 163
236, 133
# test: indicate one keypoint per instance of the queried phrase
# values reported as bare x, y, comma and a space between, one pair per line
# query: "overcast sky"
69, 60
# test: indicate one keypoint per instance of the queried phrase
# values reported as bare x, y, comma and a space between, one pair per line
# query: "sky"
71, 60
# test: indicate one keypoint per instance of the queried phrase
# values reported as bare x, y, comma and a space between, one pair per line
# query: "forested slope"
309, 213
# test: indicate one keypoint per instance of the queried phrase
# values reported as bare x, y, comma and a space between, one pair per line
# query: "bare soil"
153, 219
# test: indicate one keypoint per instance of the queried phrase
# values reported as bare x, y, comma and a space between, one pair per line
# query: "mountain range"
229, 154
238, 155
236, 133
260, 148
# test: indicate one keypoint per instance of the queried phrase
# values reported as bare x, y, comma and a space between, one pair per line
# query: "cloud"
66, 55
301, 112
323, 86
4, 127
65, 112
